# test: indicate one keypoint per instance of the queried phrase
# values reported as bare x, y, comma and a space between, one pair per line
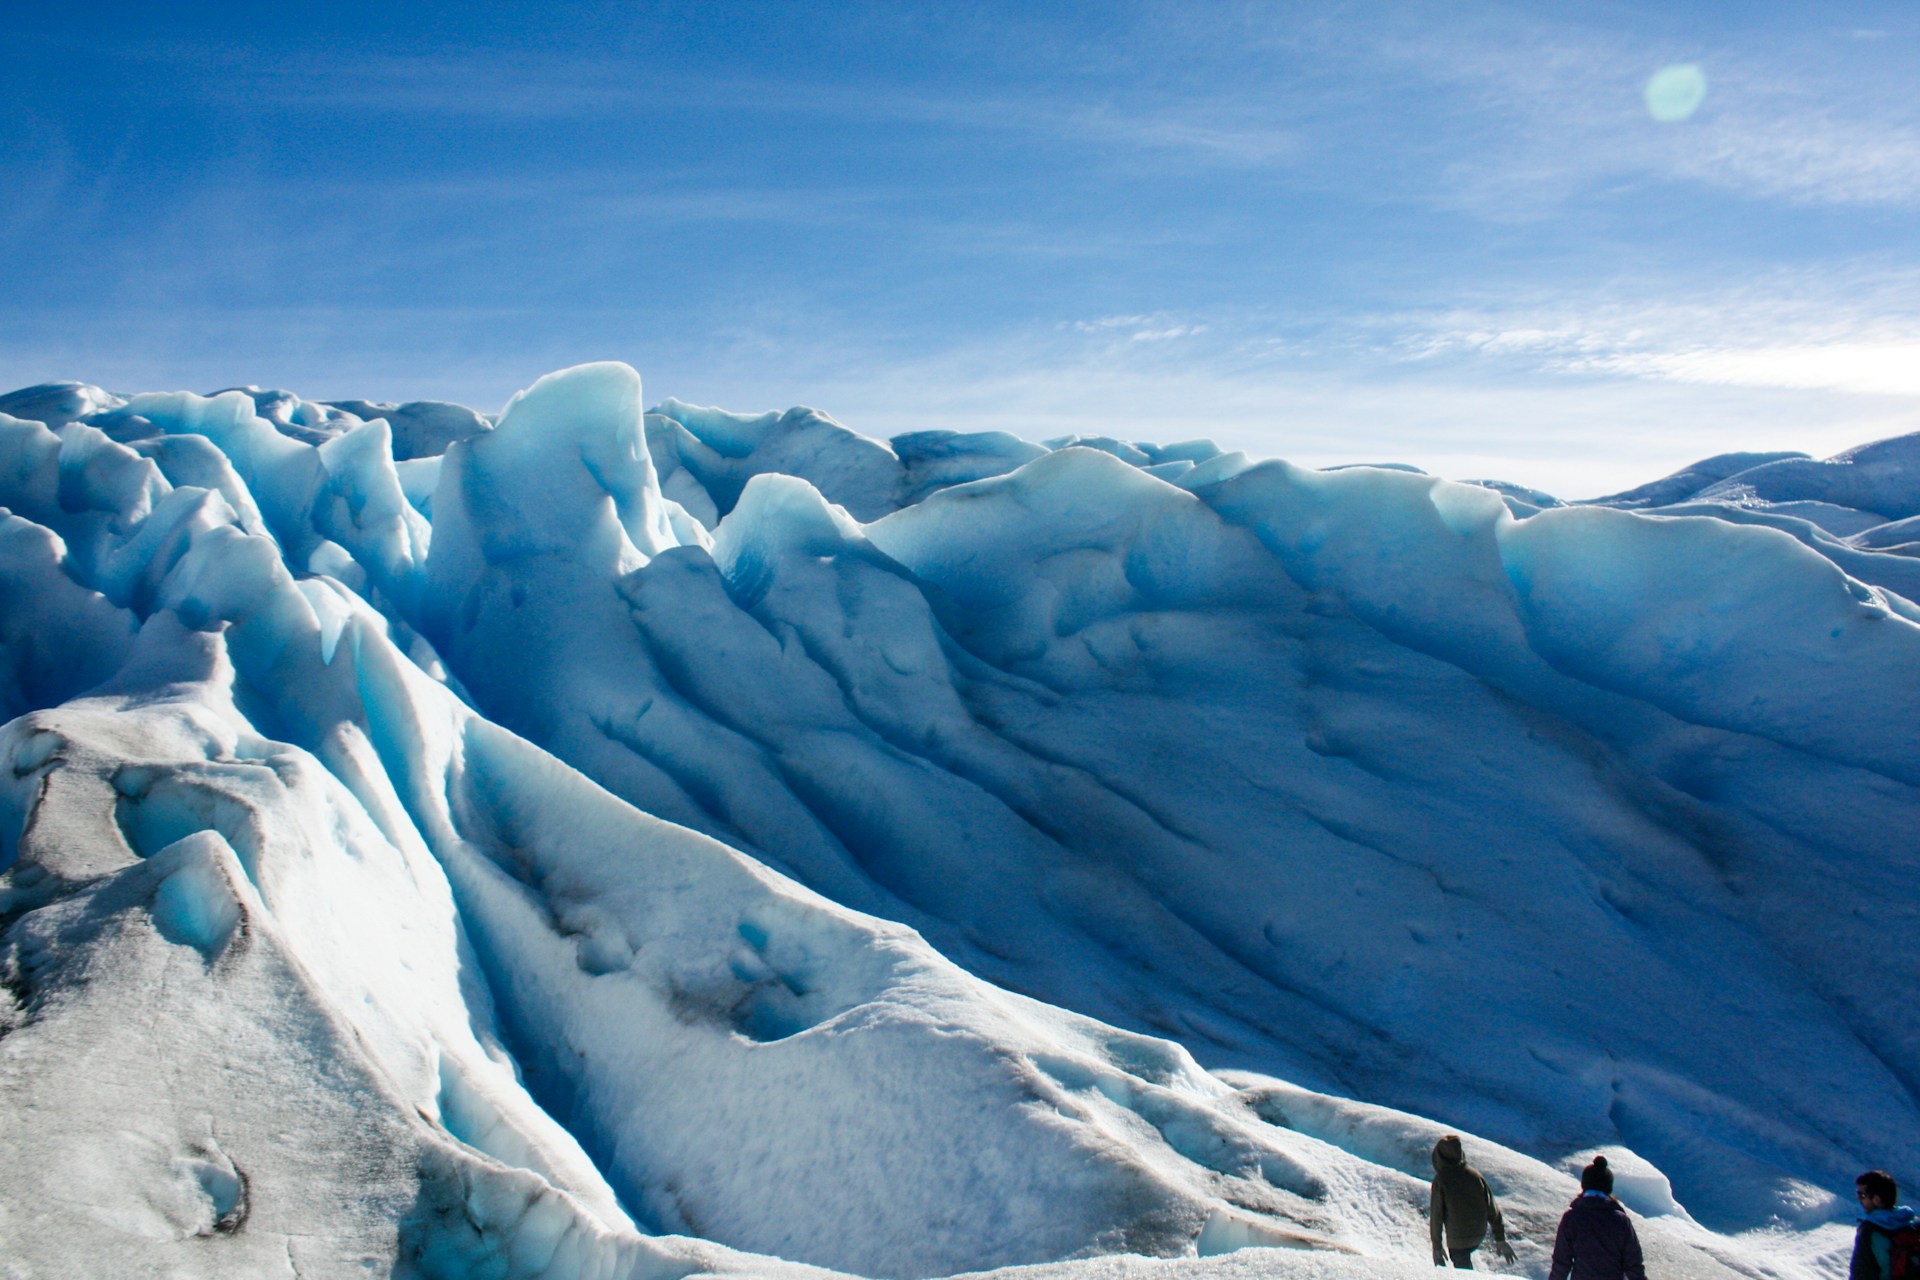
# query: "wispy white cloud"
1143, 328
1811, 159
1556, 107
1225, 128
1852, 329
1862, 368
1107, 323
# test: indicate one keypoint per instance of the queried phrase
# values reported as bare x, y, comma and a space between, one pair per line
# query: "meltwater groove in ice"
600, 841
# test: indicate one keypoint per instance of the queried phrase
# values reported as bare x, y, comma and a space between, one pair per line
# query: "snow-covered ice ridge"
596, 843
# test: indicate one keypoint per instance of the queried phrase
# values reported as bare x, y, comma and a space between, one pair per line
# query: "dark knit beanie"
1597, 1177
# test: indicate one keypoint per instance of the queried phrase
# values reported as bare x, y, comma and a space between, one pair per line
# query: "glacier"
601, 841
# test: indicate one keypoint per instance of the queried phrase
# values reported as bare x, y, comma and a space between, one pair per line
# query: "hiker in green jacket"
1462, 1208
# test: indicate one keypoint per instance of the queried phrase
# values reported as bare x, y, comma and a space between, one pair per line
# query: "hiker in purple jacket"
1597, 1240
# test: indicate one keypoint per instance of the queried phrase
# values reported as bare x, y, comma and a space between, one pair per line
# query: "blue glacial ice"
592, 841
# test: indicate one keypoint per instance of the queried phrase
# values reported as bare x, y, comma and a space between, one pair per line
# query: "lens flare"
1676, 92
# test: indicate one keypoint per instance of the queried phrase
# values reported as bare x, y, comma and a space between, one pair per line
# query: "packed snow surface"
591, 842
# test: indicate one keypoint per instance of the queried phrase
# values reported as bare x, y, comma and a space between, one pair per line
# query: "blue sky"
1446, 234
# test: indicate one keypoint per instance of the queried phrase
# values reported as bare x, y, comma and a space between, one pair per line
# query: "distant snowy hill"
601, 843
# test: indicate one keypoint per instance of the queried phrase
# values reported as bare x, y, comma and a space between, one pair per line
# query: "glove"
1506, 1251
1439, 1258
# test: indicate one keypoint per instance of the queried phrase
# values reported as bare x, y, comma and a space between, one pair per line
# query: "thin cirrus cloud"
1860, 368
1226, 129
1560, 110
1854, 331
1145, 328
1810, 159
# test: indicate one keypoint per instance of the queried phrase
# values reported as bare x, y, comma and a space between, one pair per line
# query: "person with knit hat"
1462, 1208
1596, 1240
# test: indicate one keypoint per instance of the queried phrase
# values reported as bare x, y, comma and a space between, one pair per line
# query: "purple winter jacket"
1597, 1242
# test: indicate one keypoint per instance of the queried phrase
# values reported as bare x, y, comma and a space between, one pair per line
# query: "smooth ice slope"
516, 861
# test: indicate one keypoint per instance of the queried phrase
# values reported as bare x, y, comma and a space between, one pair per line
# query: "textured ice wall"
1566, 822
1563, 825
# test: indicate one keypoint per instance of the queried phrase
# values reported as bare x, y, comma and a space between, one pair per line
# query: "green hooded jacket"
1462, 1207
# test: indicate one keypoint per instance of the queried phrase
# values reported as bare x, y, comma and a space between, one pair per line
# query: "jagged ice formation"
607, 843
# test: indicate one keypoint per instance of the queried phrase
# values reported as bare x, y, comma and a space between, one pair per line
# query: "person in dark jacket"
1880, 1216
1596, 1239
1462, 1208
